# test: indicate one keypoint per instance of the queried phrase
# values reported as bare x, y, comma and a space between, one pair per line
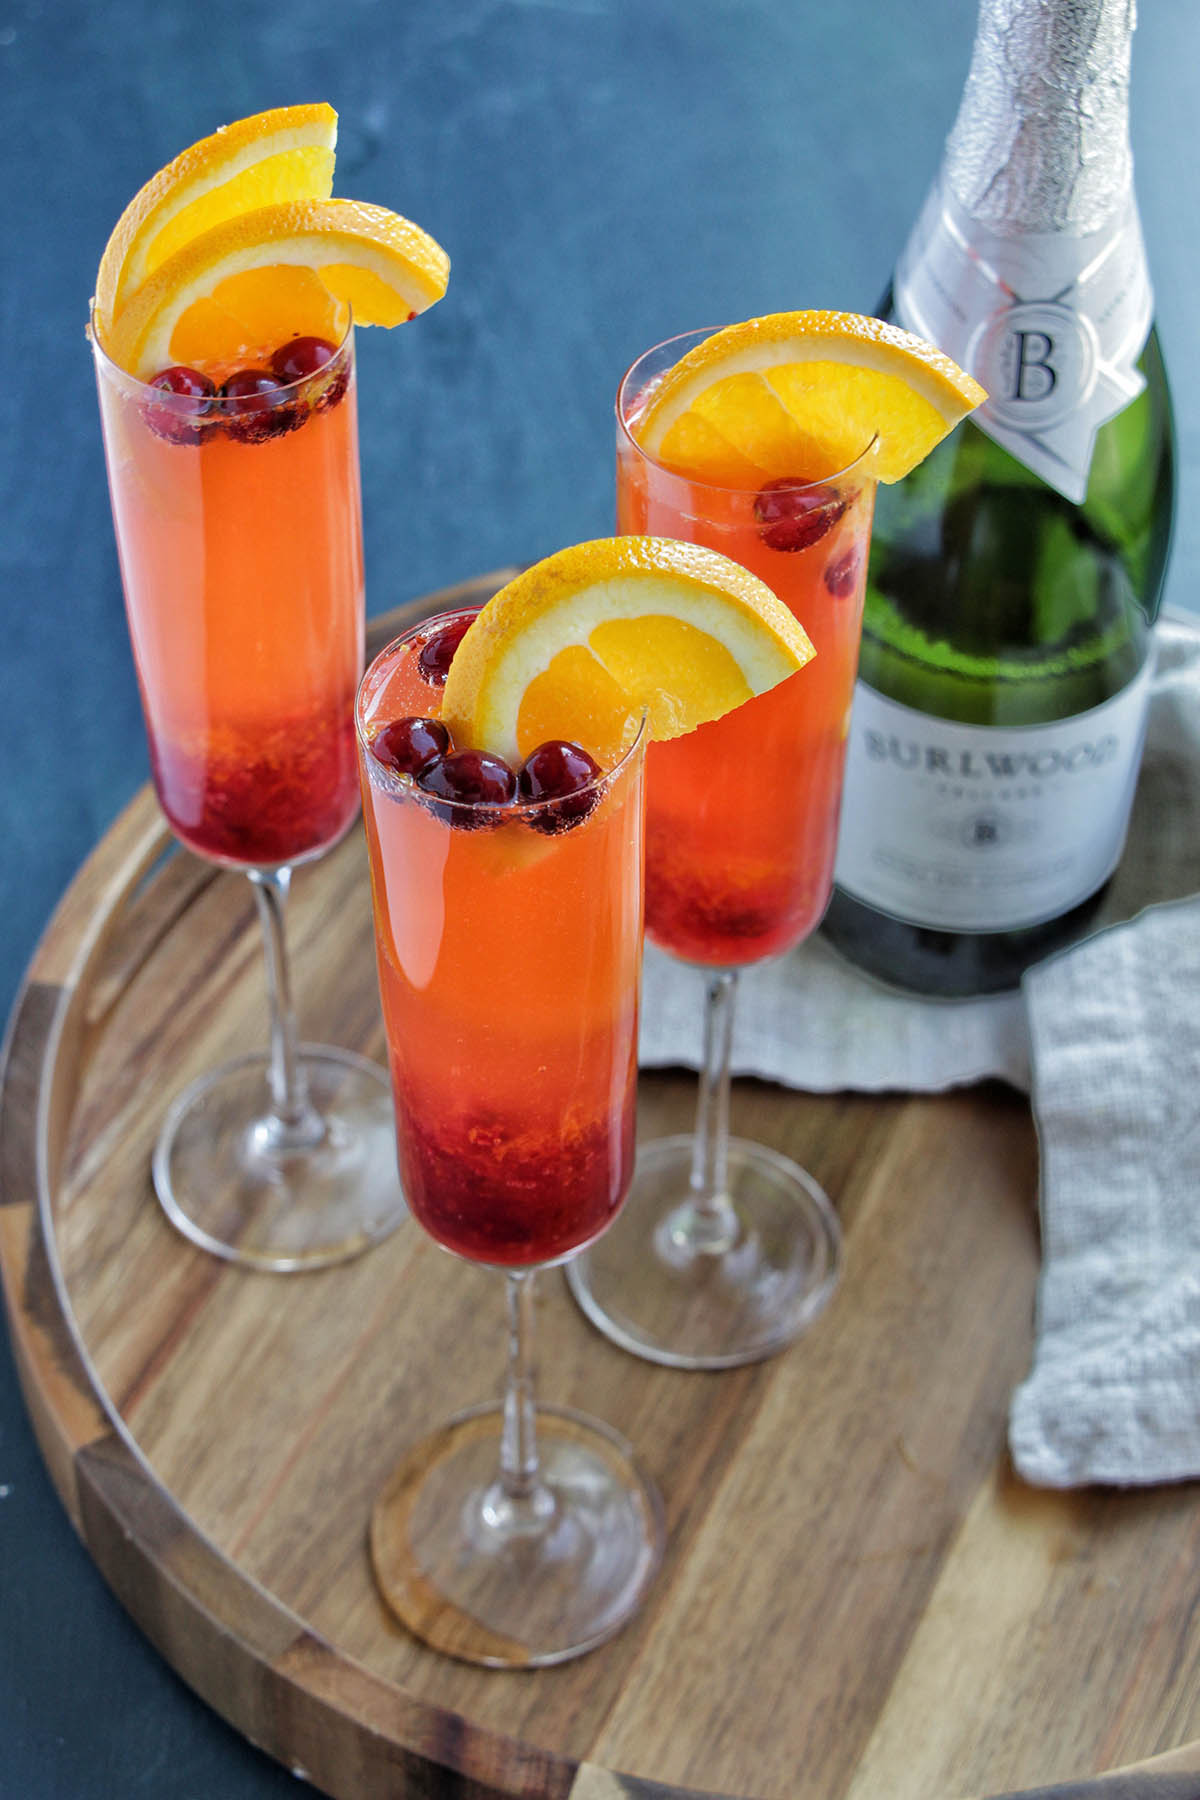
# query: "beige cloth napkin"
1106, 1039
1114, 1393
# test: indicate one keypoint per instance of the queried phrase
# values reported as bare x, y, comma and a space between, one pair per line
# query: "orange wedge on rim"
273, 157
386, 267
803, 394
581, 645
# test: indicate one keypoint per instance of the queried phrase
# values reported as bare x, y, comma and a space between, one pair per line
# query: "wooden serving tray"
858, 1599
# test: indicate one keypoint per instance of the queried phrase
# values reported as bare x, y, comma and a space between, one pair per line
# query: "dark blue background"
603, 173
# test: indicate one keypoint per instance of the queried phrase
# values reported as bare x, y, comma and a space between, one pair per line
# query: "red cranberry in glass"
565, 776
475, 779
406, 745
186, 422
437, 653
249, 399
841, 577
184, 381
792, 517
301, 357
250, 391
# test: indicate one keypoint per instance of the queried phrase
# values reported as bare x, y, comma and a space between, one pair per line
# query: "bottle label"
984, 828
1052, 325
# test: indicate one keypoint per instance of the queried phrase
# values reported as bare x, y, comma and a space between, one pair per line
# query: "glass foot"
525, 1583
695, 1292
236, 1185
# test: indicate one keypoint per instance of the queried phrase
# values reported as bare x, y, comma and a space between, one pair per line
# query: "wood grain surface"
859, 1598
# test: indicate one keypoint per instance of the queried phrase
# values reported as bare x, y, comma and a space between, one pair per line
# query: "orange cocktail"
240, 541
763, 440
502, 757
508, 940
221, 333
742, 814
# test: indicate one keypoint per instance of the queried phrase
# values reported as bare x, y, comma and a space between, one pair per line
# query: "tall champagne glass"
240, 543
726, 1250
509, 946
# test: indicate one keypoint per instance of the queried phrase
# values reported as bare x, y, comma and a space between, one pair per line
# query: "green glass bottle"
1016, 573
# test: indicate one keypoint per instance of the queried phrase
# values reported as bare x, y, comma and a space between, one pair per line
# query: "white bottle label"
1052, 325
982, 828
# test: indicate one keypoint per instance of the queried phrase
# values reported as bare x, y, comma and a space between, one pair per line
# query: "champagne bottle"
1016, 574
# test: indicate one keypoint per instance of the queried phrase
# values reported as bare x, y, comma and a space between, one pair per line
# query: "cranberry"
301, 357
181, 380
437, 653
563, 774
253, 414
841, 577
250, 391
186, 423
792, 516
406, 745
474, 779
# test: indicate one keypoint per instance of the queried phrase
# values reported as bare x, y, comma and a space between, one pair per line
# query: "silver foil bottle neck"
1041, 141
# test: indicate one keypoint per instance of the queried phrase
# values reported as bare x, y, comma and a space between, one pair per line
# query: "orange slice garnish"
583, 644
803, 394
277, 156
385, 267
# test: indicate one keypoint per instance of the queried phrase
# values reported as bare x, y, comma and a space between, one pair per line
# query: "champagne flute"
509, 946
238, 528
726, 1250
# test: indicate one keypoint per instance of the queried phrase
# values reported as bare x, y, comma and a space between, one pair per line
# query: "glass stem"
293, 1123
518, 1503
712, 1222
518, 1445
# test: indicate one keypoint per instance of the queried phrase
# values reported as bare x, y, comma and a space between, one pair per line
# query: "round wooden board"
859, 1598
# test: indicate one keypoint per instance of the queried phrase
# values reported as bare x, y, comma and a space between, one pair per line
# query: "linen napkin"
1114, 1393
1105, 1037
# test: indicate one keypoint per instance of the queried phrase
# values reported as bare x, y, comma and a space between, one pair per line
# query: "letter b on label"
1034, 377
